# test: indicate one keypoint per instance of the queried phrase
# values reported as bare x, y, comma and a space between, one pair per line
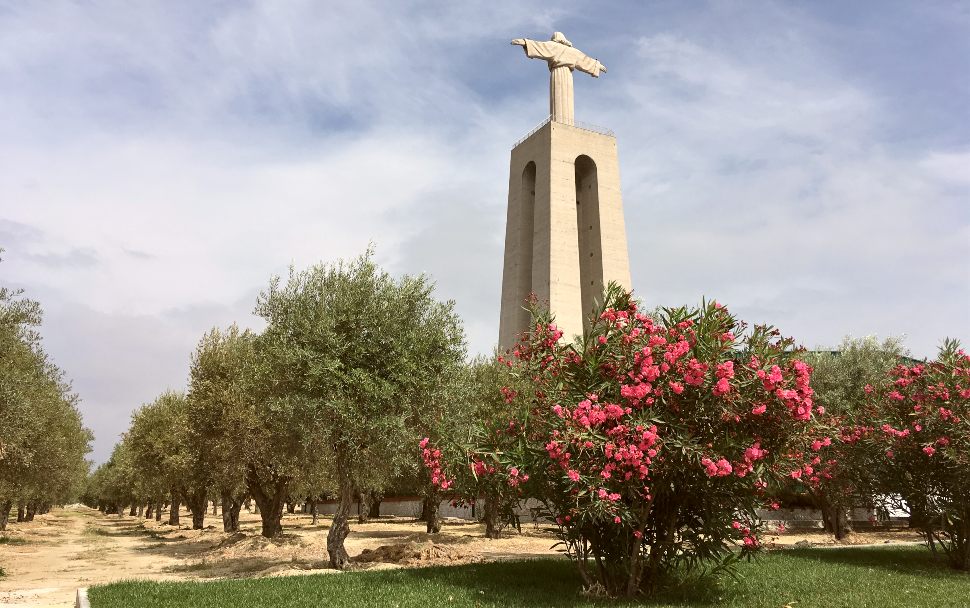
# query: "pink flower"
617, 519
759, 409
677, 387
929, 450
424, 442
573, 475
709, 467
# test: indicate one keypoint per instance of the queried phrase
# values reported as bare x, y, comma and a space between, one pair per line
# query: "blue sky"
807, 163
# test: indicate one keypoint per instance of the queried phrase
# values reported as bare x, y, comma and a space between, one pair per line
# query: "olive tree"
219, 427
363, 352
157, 440
846, 472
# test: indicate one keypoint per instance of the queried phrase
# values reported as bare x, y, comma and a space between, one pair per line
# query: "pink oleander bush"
651, 443
921, 426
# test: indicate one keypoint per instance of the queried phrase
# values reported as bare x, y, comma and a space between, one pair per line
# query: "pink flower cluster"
432, 461
748, 538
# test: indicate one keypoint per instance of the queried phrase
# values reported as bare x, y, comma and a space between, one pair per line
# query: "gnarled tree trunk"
492, 517
340, 527
198, 503
430, 512
270, 497
4, 513
31, 511
231, 505
835, 519
21, 513
133, 510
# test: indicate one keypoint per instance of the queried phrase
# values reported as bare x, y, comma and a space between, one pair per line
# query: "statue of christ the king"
562, 59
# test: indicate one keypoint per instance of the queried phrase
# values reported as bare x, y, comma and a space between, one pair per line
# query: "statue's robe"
562, 60
560, 55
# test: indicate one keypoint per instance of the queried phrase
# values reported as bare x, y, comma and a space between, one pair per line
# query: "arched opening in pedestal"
527, 214
589, 234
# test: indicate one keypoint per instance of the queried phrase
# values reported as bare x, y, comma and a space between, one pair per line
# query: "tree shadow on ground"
913, 560
532, 583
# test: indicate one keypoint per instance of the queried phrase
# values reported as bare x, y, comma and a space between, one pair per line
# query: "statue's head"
558, 37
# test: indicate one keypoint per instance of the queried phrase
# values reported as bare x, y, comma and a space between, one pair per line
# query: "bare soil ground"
47, 559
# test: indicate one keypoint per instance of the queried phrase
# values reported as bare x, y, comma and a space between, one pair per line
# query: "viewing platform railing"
579, 125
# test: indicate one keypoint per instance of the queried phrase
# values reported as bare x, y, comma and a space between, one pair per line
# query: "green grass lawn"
876, 577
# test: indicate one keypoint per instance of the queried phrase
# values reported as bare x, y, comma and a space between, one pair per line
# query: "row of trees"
652, 441
43, 442
328, 400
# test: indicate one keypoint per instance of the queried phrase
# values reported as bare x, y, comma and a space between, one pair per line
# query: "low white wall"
411, 507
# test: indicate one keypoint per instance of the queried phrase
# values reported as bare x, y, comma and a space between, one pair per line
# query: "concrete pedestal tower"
564, 237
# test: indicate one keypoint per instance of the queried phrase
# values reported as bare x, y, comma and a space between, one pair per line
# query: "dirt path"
48, 559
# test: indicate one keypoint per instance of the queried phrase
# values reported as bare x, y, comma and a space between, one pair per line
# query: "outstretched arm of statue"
519, 42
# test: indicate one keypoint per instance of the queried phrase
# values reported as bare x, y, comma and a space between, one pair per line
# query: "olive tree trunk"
835, 518
231, 505
270, 496
4, 513
340, 527
491, 515
430, 511
198, 503
363, 507
173, 512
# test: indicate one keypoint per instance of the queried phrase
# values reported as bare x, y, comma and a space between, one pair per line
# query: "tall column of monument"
565, 237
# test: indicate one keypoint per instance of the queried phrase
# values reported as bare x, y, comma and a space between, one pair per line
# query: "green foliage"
220, 411
43, 441
847, 473
156, 444
839, 377
363, 356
